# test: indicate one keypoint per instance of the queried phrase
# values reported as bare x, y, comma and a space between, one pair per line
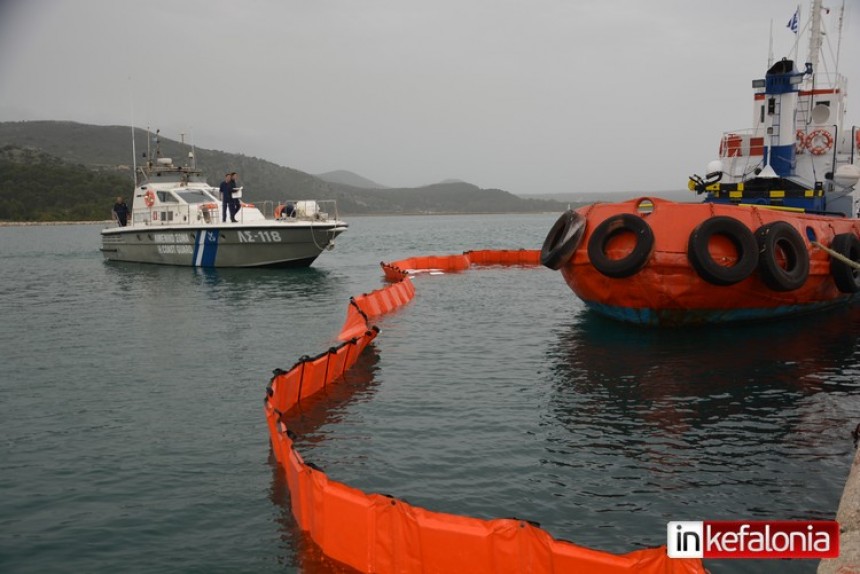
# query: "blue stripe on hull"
679, 318
205, 248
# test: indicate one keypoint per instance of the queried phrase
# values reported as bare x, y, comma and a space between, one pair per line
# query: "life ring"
826, 142
800, 141
562, 240
857, 139
700, 257
149, 198
783, 259
633, 261
847, 278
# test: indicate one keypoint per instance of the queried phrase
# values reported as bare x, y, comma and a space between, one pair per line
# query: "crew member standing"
120, 212
237, 203
226, 189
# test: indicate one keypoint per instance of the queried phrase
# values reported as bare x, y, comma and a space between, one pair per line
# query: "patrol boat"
775, 235
175, 219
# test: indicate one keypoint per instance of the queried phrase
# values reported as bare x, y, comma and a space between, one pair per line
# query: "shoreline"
36, 223
109, 221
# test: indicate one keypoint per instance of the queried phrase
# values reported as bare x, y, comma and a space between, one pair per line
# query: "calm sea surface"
133, 437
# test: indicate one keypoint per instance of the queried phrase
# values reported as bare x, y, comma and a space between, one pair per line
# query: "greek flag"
793, 22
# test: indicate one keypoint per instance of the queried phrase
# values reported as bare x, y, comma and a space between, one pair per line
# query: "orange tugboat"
775, 235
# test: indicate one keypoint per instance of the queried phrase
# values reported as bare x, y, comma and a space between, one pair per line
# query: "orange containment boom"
380, 534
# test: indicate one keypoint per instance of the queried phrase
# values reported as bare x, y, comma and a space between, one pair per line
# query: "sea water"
134, 440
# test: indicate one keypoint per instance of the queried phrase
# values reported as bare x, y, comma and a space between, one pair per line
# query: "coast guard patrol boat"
176, 220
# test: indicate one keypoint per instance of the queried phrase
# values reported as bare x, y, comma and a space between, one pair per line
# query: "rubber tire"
743, 240
635, 260
562, 240
783, 236
847, 278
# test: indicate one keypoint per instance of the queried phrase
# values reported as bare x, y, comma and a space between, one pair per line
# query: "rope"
836, 255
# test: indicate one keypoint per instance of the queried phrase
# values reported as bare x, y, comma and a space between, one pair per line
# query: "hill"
106, 150
55, 190
680, 195
349, 178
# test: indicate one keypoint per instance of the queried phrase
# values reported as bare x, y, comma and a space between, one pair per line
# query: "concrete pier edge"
848, 516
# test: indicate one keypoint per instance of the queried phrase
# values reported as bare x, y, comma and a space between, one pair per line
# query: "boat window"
166, 197
194, 196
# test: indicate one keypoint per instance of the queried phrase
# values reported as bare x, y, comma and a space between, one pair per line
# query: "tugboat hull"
656, 262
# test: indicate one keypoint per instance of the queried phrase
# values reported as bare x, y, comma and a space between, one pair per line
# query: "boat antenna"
770, 47
815, 35
148, 151
839, 37
797, 34
133, 148
193, 152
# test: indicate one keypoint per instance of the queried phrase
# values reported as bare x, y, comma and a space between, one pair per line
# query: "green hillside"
103, 154
36, 186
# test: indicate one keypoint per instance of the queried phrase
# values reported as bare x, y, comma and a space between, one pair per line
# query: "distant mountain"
106, 150
681, 195
349, 178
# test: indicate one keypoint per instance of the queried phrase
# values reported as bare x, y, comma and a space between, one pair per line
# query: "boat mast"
133, 152
133, 148
770, 47
815, 35
839, 37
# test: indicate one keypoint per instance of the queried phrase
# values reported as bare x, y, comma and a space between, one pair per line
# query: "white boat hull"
270, 244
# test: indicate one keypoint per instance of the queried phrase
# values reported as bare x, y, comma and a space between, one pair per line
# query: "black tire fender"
562, 240
781, 237
710, 270
847, 278
634, 261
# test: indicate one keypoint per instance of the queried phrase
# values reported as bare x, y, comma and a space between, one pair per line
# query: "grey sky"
531, 96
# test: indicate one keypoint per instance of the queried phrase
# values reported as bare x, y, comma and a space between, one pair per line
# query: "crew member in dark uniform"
226, 189
120, 212
237, 203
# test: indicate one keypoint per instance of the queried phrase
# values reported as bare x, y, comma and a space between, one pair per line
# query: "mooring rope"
836, 255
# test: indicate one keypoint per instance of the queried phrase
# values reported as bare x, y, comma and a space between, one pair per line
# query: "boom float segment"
380, 534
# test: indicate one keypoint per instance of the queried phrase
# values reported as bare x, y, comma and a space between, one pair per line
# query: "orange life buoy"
857, 139
149, 198
800, 144
819, 142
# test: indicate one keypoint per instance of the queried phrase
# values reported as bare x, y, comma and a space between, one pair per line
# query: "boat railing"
177, 214
305, 210
173, 214
210, 213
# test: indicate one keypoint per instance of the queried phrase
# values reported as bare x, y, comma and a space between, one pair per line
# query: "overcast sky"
530, 96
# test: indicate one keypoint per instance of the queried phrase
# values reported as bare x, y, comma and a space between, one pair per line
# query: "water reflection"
718, 423
717, 372
305, 420
235, 284
267, 283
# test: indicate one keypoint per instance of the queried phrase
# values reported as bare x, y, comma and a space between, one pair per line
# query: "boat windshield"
195, 196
